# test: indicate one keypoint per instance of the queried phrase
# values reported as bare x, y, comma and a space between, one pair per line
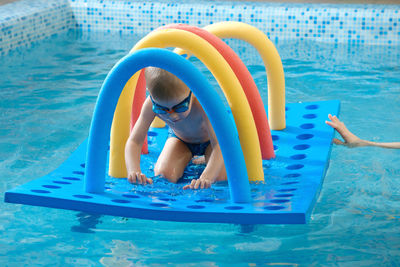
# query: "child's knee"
222, 175
170, 174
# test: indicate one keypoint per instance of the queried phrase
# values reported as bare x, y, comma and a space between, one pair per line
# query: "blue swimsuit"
198, 149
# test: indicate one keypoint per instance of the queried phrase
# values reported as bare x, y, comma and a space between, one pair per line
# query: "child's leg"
173, 160
222, 175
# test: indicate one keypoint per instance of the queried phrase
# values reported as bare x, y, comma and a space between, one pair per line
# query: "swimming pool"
47, 98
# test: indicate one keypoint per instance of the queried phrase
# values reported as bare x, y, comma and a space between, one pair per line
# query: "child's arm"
135, 142
351, 140
215, 169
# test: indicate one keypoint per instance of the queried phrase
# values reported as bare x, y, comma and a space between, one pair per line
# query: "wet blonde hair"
164, 85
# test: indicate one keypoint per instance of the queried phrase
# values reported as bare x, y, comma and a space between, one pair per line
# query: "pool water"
47, 96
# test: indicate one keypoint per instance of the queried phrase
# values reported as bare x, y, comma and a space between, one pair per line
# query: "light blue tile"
27, 21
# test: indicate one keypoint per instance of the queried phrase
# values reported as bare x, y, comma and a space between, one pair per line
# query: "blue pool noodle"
214, 107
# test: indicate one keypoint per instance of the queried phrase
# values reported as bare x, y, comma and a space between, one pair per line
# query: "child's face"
173, 110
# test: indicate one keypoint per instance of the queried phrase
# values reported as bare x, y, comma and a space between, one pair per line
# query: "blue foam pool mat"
293, 181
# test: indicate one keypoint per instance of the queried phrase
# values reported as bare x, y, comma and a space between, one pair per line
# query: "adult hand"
350, 140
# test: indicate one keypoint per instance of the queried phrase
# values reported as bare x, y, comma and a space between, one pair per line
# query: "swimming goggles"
179, 108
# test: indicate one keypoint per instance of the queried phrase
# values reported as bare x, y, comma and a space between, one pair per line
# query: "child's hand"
198, 183
138, 177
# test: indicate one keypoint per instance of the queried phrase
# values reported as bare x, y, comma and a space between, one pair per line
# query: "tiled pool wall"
27, 21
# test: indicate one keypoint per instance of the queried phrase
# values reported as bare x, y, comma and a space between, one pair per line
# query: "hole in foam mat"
298, 156
310, 116
167, 199
274, 208
307, 126
83, 165
78, 172
301, 147
51, 186
295, 167
151, 133
274, 137
304, 136
279, 201
283, 195
287, 190
71, 178
61, 182
292, 175
312, 107
289, 183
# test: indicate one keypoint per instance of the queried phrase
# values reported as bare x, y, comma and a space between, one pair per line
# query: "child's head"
168, 93
164, 86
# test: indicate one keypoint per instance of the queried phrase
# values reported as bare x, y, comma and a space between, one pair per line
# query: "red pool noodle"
138, 100
247, 82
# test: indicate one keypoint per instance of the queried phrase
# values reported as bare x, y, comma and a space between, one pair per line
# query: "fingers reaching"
140, 178
350, 140
334, 121
198, 184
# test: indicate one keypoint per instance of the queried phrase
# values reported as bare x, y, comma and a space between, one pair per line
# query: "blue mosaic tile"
27, 21
371, 24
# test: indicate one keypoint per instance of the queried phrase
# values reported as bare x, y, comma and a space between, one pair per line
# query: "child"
190, 133
351, 140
